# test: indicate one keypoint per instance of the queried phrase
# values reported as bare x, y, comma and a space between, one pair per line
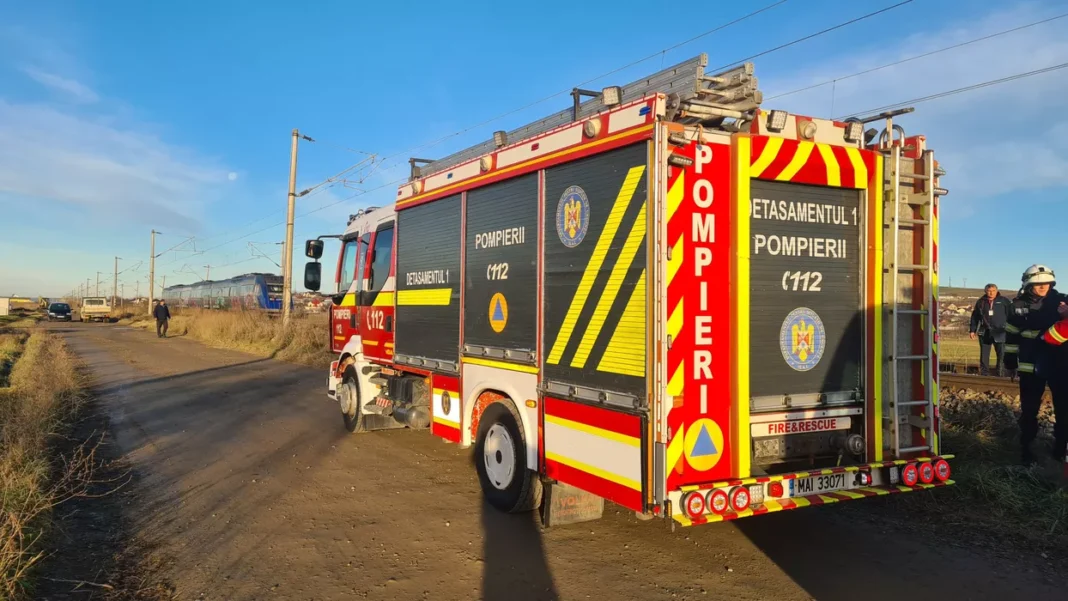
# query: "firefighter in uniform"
1057, 336
1034, 311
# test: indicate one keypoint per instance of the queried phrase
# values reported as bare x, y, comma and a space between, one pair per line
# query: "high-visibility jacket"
1025, 349
1057, 334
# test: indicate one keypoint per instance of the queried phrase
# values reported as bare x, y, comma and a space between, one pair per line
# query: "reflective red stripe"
1058, 334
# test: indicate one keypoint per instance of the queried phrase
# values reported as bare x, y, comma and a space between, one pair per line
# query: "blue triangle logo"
704, 445
498, 315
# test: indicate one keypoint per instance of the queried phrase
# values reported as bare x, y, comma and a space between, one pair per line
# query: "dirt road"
254, 491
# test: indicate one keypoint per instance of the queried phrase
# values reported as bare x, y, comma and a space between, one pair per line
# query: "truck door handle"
352, 320
389, 323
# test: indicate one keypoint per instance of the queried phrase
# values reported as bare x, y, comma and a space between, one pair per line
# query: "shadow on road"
514, 567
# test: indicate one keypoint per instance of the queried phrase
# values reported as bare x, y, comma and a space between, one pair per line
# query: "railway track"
952, 375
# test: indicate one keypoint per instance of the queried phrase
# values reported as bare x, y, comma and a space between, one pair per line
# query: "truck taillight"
695, 504
775, 489
718, 502
739, 498
910, 475
927, 472
942, 470
863, 478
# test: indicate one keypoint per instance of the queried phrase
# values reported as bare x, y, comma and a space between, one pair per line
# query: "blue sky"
120, 117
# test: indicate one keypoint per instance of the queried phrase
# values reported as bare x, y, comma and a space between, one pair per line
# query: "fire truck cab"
664, 296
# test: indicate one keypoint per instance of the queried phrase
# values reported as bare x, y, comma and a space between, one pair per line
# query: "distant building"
5, 305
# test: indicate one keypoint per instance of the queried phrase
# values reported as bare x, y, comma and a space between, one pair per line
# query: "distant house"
5, 305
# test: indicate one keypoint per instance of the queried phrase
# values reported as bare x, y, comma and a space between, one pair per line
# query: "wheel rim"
346, 397
498, 453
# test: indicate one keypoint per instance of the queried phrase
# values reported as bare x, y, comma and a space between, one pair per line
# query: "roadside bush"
307, 342
36, 402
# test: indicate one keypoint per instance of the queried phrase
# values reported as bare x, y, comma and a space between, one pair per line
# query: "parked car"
59, 312
96, 308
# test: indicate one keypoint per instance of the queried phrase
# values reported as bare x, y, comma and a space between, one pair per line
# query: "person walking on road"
989, 318
163, 315
1034, 311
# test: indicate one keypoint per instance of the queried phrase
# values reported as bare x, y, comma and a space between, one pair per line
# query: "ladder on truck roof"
725, 100
911, 204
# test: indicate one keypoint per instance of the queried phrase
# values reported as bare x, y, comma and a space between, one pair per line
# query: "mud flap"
562, 504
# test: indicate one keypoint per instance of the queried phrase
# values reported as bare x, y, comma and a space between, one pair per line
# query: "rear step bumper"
880, 487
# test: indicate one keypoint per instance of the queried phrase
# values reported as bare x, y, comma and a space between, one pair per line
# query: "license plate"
818, 484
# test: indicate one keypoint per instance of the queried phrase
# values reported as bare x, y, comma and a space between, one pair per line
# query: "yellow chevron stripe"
771, 150
596, 471
674, 450
384, 299
675, 262
860, 170
611, 291
625, 353
804, 150
348, 301
678, 380
675, 195
582, 293
834, 172
675, 320
802, 502
630, 441
439, 297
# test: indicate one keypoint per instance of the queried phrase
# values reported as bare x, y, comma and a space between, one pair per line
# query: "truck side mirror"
313, 275
313, 249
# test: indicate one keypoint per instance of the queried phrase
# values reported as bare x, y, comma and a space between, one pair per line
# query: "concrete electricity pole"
86, 288
98, 282
287, 265
152, 271
207, 275
115, 285
283, 263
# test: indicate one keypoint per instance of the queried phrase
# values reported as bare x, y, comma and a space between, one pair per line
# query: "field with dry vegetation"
40, 393
307, 342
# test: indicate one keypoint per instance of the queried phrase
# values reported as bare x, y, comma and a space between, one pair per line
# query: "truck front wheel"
348, 396
501, 461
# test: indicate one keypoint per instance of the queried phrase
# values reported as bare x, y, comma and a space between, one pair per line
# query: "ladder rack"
911, 205
693, 98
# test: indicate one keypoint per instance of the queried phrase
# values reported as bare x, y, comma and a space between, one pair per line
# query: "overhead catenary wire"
460, 132
815, 35
918, 56
970, 88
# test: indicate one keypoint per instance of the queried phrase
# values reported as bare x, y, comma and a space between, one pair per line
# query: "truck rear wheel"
348, 396
501, 461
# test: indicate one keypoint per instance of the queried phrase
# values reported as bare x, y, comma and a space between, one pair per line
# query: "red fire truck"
664, 296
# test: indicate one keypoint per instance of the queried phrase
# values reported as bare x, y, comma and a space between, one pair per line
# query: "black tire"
522, 491
354, 418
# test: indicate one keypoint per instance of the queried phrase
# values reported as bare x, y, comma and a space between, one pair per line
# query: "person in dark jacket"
1034, 310
989, 318
163, 315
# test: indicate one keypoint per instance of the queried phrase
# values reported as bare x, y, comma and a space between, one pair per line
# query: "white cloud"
69, 87
51, 154
992, 141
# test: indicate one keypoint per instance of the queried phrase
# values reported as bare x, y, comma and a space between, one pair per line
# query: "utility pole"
287, 264
207, 274
137, 290
282, 264
152, 271
98, 282
115, 285
86, 287
122, 293
163, 286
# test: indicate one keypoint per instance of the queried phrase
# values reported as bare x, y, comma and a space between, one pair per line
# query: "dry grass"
1029, 503
37, 400
307, 342
961, 350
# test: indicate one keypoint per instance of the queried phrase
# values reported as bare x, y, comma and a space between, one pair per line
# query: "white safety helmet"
1038, 274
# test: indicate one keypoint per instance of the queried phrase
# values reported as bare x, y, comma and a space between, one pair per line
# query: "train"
251, 291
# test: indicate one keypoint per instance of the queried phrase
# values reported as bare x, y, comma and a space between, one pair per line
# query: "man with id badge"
989, 319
